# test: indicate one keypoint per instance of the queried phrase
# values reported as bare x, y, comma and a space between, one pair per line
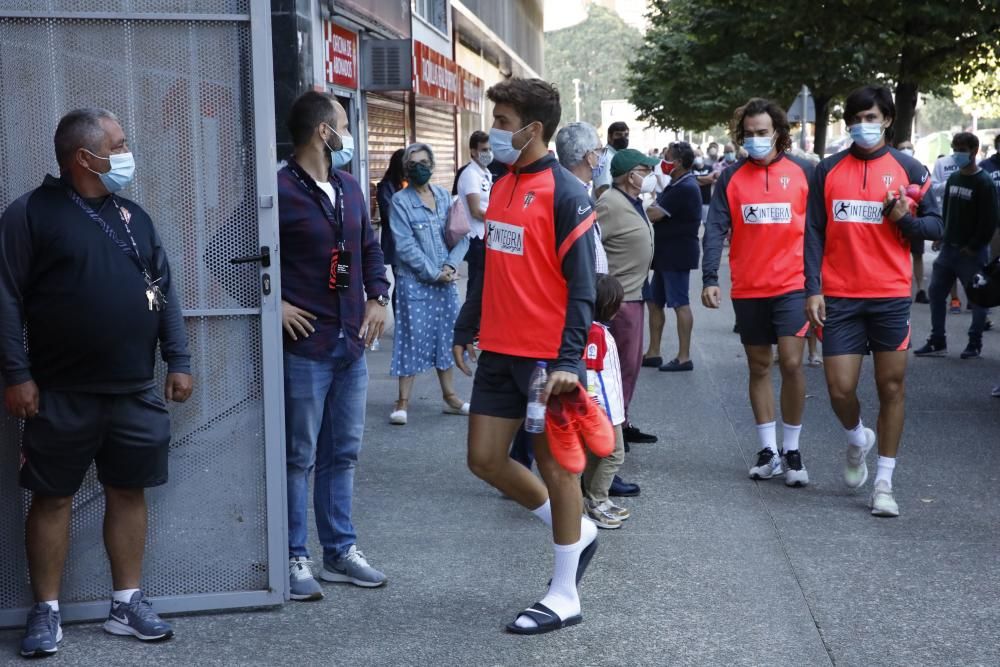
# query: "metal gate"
192, 82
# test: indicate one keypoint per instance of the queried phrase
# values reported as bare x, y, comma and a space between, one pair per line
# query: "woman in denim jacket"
426, 291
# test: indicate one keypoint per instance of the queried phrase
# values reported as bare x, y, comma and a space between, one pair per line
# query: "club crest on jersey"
887, 179
592, 351
785, 180
528, 198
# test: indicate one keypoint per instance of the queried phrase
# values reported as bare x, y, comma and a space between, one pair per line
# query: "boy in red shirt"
857, 263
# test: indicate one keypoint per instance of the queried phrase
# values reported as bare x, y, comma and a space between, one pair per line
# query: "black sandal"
545, 620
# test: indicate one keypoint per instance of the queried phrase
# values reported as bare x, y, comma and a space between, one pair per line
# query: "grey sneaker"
617, 511
351, 568
856, 471
602, 518
301, 584
42, 632
137, 618
882, 502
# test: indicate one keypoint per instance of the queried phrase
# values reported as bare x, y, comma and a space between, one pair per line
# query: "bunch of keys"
154, 297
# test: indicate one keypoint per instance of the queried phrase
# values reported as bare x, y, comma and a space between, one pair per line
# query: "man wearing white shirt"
474, 185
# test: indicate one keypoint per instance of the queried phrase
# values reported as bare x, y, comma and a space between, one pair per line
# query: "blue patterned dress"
425, 310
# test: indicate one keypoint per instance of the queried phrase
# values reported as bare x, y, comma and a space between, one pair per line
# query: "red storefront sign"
435, 75
341, 55
471, 91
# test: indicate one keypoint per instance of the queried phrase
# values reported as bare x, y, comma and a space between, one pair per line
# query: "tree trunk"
906, 106
822, 103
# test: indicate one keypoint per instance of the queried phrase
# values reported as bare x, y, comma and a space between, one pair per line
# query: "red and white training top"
852, 250
765, 206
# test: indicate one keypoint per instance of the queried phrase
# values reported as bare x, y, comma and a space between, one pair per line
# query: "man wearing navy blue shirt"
333, 297
676, 218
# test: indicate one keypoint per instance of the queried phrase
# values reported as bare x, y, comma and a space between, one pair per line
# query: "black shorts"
917, 247
127, 435
500, 388
763, 321
860, 326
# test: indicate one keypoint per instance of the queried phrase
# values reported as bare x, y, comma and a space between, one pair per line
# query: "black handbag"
984, 288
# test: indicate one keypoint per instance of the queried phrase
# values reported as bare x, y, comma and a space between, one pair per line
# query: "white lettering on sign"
436, 75
767, 214
855, 210
505, 238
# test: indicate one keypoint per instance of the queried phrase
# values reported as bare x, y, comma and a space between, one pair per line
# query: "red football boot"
591, 421
562, 432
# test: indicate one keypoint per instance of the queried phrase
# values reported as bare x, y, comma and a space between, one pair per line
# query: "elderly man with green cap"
628, 241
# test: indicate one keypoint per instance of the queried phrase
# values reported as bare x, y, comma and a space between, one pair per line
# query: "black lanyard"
334, 215
132, 252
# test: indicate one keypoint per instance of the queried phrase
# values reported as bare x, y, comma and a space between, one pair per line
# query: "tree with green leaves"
703, 58
594, 51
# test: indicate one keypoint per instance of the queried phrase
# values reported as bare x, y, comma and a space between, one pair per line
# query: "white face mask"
648, 183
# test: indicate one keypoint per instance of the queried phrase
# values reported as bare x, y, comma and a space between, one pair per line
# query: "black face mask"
620, 143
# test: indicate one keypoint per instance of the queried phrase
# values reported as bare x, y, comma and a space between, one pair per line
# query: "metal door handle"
264, 258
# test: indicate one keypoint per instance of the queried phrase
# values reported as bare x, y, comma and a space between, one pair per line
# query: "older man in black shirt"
83, 272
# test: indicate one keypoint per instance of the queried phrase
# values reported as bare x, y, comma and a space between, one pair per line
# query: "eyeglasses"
413, 163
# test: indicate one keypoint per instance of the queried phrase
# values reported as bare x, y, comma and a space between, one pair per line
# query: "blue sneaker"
42, 633
137, 618
301, 584
351, 568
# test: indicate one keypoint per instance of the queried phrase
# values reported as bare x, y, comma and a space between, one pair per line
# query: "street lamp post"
576, 97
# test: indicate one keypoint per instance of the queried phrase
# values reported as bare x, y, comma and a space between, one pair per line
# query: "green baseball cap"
629, 159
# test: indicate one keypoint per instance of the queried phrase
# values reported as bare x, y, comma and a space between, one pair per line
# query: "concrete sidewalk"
713, 569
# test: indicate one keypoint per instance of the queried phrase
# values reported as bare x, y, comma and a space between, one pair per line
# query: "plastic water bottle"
534, 421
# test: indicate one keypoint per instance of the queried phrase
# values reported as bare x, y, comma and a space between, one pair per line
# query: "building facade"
406, 70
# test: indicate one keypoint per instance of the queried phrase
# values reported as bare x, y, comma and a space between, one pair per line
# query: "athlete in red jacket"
536, 302
857, 265
762, 199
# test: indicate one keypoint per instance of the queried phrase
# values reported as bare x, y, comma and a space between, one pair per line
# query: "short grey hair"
412, 149
80, 128
574, 141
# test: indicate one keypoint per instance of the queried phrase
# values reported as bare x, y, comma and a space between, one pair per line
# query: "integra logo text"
855, 210
767, 214
505, 238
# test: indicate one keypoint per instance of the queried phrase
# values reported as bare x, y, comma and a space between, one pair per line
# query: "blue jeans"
950, 264
324, 422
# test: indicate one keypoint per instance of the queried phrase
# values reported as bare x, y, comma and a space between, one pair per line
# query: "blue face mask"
343, 157
502, 143
121, 173
961, 159
758, 147
866, 135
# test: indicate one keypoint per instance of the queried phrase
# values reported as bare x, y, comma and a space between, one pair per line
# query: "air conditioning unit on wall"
386, 64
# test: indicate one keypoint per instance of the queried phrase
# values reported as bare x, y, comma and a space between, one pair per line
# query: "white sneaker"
882, 502
397, 417
856, 471
768, 465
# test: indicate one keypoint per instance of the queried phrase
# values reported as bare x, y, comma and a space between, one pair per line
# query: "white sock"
883, 471
562, 597
856, 435
790, 437
768, 435
544, 512
53, 603
124, 595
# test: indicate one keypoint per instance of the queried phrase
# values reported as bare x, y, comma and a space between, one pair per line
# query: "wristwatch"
382, 300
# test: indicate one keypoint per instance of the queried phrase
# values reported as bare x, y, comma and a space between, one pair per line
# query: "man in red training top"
762, 199
857, 265
536, 302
